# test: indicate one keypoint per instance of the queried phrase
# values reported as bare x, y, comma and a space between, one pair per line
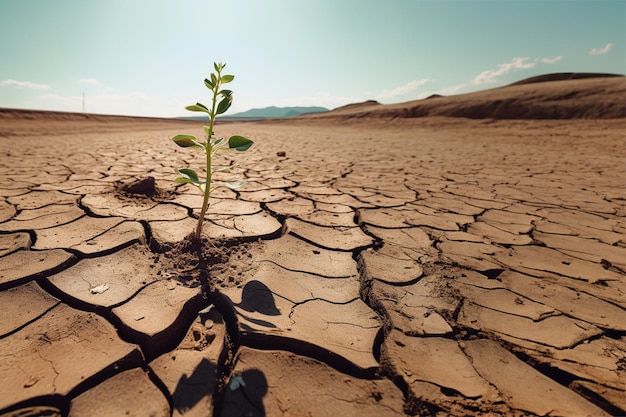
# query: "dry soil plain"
374, 264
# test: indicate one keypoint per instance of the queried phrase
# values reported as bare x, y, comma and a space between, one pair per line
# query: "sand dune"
552, 96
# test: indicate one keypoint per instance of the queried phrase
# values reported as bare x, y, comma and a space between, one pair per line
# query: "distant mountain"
274, 111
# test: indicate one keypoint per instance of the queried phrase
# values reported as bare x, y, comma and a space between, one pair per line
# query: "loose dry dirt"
434, 266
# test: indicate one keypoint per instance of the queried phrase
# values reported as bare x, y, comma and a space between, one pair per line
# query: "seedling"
211, 146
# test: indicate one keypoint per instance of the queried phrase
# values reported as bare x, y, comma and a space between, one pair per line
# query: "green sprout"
211, 146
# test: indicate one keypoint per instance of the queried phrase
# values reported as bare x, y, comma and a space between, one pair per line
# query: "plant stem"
209, 154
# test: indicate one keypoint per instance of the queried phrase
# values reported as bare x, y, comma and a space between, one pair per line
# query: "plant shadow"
256, 296
191, 389
246, 400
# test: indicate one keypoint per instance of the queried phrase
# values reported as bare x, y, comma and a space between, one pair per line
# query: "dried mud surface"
439, 266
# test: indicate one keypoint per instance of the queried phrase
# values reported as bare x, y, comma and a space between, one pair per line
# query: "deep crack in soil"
213, 265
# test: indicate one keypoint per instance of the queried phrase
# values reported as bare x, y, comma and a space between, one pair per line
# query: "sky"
150, 57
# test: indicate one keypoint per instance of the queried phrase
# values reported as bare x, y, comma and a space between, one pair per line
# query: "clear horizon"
149, 58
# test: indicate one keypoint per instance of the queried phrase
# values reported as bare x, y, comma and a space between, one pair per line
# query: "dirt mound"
553, 96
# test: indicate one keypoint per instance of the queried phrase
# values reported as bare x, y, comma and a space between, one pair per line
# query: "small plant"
211, 146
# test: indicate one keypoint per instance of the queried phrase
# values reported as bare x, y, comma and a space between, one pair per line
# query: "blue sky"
150, 57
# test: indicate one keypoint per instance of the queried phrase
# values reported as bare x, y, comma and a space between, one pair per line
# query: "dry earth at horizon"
371, 265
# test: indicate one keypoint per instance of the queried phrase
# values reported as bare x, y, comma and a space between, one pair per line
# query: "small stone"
145, 186
99, 289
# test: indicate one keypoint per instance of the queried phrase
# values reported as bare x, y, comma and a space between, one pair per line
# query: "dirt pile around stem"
214, 264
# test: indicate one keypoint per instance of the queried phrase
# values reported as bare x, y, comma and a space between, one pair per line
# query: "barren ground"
433, 266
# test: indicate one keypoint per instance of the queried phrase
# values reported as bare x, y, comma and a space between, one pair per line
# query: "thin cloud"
51, 97
102, 98
106, 103
490, 76
89, 81
601, 51
552, 60
24, 84
406, 88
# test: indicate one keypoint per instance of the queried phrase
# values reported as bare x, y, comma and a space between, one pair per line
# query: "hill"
551, 96
560, 76
353, 106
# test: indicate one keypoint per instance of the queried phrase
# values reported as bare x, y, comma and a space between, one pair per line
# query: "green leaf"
217, 142
226, 93
213, 79
187, 141
198, 107
188, 172
217, 66
181, 180
207, 131
224, 104
229, 168
227, 78
188, 176
209, 84
233, 185
239, 143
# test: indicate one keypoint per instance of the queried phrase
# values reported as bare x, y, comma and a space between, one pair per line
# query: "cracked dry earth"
425, 267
